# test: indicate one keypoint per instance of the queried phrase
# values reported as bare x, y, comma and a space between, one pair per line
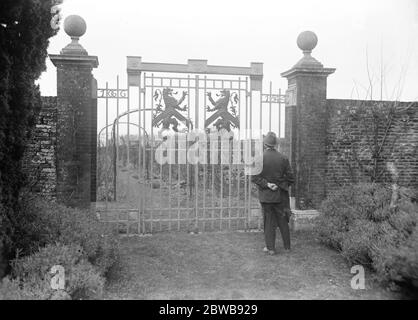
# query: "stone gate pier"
306, 130
76, 119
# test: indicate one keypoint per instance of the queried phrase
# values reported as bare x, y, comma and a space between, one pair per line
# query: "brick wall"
399, 152
39, 161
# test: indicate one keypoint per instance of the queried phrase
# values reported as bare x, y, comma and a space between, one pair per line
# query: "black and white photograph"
208, 156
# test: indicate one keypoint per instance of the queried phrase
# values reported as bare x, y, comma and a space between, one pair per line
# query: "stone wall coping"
340, 102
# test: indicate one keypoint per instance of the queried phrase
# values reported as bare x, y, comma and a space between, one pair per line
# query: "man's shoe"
265, 249
271, 252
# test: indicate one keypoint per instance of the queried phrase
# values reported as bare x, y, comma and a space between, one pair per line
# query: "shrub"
359, 221
11, 289
400, 264
32, 275
355, 242
73, 238
48, 222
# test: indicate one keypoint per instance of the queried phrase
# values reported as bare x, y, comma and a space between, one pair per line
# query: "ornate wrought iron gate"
166, 111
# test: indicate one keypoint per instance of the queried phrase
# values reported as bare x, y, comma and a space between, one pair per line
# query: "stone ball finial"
75, 26
307, 41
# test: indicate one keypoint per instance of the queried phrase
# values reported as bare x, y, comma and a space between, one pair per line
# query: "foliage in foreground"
58, 235
25, 29
360, 222
32, 278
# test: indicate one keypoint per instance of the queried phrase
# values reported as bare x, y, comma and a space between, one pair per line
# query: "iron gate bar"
280, 114
213, 188
250, 154
114, 142
142, 146
161, 195
261, 133
178, 188
239, 139
152, 145
245, 149
204, 165
222, 180
127, 148
139, 160
169, 183
229, 178
261, 113
140, 173
128, 144
189, 178
197, 126
162, 207
106, 151
178, 179
270, 110
141, 196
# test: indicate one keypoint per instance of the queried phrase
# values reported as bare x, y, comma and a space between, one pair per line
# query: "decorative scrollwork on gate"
168, 115
224, 118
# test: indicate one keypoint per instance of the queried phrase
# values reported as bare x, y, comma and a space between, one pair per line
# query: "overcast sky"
236, 32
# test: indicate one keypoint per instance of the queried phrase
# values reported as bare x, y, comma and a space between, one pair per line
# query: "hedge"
360, 222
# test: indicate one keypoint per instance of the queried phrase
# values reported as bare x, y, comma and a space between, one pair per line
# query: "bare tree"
370, 130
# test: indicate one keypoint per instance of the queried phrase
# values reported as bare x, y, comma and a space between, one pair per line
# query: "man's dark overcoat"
276, 169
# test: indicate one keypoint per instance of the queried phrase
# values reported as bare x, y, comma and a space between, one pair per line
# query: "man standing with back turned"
273, 184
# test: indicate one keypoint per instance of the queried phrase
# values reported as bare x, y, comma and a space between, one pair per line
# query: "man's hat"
270, 139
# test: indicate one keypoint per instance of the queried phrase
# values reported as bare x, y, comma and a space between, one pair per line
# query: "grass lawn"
233, 266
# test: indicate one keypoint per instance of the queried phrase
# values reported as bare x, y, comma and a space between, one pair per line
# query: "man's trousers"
274, 216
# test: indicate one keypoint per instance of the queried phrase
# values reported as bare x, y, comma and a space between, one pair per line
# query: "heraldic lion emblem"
224, 118
168, 114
